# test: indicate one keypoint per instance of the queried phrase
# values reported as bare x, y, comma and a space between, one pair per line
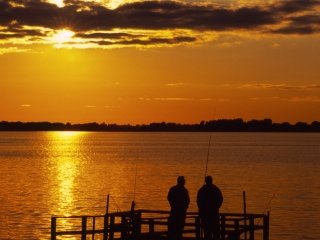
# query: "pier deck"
153, 224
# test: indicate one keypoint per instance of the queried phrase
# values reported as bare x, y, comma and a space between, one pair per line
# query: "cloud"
264, 98
144, 99
224, 100
173, 99
293, 6
18, 33
136, 15
12, 50
275, 45
180, 99
150, 23
178, 84
296, 99
305, 99
111, 107
146, 42
281, 86
294, 29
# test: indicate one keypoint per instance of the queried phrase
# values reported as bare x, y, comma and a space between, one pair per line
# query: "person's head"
181, 181
208, 180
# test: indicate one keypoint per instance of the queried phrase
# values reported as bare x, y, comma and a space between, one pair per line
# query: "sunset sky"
124, 61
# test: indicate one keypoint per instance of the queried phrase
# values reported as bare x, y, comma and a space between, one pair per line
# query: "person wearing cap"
178, 197
209, 200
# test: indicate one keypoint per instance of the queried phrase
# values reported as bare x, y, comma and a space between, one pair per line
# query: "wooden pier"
153, 224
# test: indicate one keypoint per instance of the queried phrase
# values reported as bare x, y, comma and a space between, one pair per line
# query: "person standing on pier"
209, 200
179, 200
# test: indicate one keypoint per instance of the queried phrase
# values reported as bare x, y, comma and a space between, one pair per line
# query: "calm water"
70, 173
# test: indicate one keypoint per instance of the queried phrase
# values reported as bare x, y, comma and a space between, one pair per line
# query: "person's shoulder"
203, 188
185, 189
216, 188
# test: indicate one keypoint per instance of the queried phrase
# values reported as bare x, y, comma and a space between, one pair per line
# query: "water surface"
70, 173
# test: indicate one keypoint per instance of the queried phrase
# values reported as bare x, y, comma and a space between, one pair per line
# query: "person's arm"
199, 199
220, 198
188, 199
169, 197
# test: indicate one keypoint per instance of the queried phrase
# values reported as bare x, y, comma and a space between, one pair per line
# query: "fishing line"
117, 206
271, 199
133, 204
135, 182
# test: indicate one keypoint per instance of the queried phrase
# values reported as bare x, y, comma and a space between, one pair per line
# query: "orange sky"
156, 61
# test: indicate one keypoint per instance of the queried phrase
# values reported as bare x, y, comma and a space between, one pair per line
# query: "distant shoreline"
221, 125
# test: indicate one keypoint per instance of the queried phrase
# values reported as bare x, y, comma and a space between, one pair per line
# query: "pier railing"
153, 225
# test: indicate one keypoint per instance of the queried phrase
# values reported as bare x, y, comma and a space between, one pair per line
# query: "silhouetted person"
209, 200
179, 200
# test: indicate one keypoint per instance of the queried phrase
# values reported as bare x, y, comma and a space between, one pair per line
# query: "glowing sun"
59, 3
62, 36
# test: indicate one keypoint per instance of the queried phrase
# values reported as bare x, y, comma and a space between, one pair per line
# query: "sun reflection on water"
65, 152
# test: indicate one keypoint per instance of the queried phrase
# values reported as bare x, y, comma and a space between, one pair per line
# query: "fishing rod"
107, 206
208, 154
134, 188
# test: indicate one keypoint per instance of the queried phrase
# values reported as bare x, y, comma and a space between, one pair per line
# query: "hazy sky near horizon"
122, 61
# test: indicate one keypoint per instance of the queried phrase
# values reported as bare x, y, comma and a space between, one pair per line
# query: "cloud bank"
149, 23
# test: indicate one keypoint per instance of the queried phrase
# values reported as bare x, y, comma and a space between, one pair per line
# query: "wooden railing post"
251, 228
105, 226
136, 224
266, 219
84, 228
237, 230
123, 229
93, 226
111, 230
151, 226
223, 227
53, 228
198, 228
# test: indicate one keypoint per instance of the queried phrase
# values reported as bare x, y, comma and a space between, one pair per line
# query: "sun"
62, 36
113, 4
59, 3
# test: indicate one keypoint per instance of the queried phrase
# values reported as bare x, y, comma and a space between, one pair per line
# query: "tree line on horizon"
220, 125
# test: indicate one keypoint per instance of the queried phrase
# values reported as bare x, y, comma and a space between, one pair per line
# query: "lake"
71, 173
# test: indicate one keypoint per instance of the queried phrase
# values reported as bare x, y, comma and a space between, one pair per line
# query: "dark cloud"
138, 15
282, 86
19, 33
301, 30
306, 24
150, 41
307, 19
296, 6
163, 15
82, 17
105, 35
